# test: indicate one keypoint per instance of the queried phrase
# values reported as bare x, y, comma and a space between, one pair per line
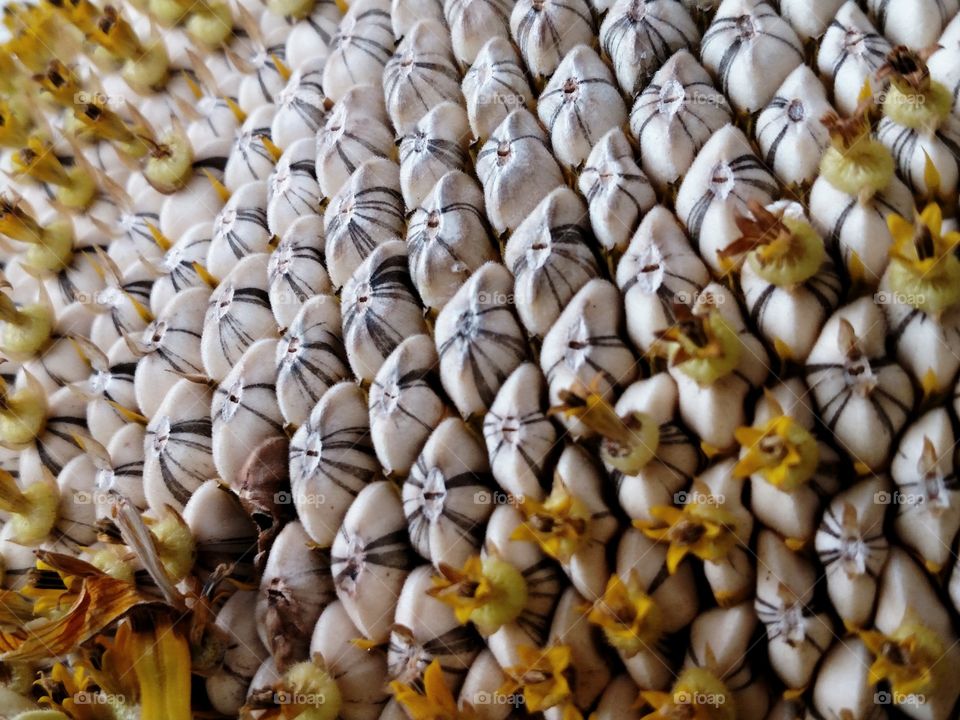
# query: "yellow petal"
101, 602
748, 436
932, 217
931, 177
675, 555
900, 229
162, 666
436, 688
748, 465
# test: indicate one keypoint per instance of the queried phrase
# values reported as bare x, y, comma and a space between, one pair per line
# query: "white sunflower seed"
864, 396
292, 189
331, 461
852, 547
379, 309
178, 447
676, 595
359, 673
550, 259
616, 189
546, 30
640, 36
371, 559
797, 635
580, 476
544, 584
361, 48
495, 85
238, 314
732, 578
447, 238
789, 132
295, 587
791, 316
751, 50
240, 229
579, 104
404, 404
250, 159
658, 270
420, 75
923, 469
227, 686
446, 498
264, 82
472, 25
590, 673
858, 230
120, 306
222, 530
913, 149
725, 176
479, 339
244, 409
178, 215
850, 52
517, 170
927, 348
843, 684
793, 513
663, 479
61, 362
809, 20
111, 384
679, 109
178, 265
584, 346
723, 635
296, 270
617, 698
355, 130
365, 213
519, 436
302, 108
426, 630
309, 40
916, 26
436, 145
169, 347
310, 358
404, 14
484, 680
714, 411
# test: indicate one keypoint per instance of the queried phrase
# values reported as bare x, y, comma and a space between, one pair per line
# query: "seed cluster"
434, 360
